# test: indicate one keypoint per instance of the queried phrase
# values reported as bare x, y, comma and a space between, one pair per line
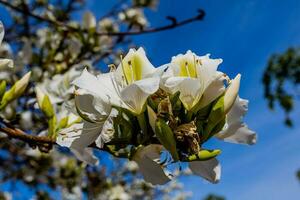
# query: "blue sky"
244, 34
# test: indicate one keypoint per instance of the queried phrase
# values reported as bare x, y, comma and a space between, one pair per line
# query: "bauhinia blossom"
159, 116
191, 75
128, 87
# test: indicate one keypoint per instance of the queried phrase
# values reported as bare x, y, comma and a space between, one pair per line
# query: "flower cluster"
159, 116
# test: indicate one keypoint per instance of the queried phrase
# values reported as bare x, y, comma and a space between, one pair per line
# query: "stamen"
112, 67
195, 66
187, 69
131, 68
118, 91
123, 69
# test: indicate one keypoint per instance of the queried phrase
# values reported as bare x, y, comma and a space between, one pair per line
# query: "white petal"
209, 169
152, 172
108, 131
239, 133
238, 110
208, 68
148, 68
79, 136
190, 89
236, 131
91, 105
102, 86
158, 72
213, 91
85, 155
184, 64
136, 94
145, 66
1, 32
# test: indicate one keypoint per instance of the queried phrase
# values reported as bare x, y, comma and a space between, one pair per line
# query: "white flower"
80, 135
235, 130
74, 194
128, 87
148, 159
192, 75
134, 16
118, 193
107, 25
131, 166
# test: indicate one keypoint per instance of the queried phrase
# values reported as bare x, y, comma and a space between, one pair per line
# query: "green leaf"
204, 155
219, 126
216, 115
174, 99
166, 137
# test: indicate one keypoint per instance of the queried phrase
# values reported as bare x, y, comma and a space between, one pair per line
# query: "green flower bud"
44, 103
231, 93
204, 155
15, 91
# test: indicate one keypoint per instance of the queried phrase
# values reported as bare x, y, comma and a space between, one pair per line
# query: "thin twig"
68, 28
21, 135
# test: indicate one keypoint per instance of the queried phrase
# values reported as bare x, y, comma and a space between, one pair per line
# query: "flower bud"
44, 103
16, 90
89, 21
231, 93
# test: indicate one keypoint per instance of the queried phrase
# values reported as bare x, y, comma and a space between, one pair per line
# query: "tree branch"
21, 135
68, 28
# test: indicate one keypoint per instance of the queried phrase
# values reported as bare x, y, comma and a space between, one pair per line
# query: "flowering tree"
52, 94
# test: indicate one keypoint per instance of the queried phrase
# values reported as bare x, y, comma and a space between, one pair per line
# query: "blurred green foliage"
281, 80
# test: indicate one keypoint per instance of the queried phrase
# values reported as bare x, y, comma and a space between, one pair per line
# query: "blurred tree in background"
281, 81
43, 37
214, 197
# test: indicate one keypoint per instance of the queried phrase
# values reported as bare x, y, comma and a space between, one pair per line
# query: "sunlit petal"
136, 94
235, 130
209, 169
190, 89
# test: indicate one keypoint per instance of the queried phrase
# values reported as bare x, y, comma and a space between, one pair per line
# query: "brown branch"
68, 28
31, 139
